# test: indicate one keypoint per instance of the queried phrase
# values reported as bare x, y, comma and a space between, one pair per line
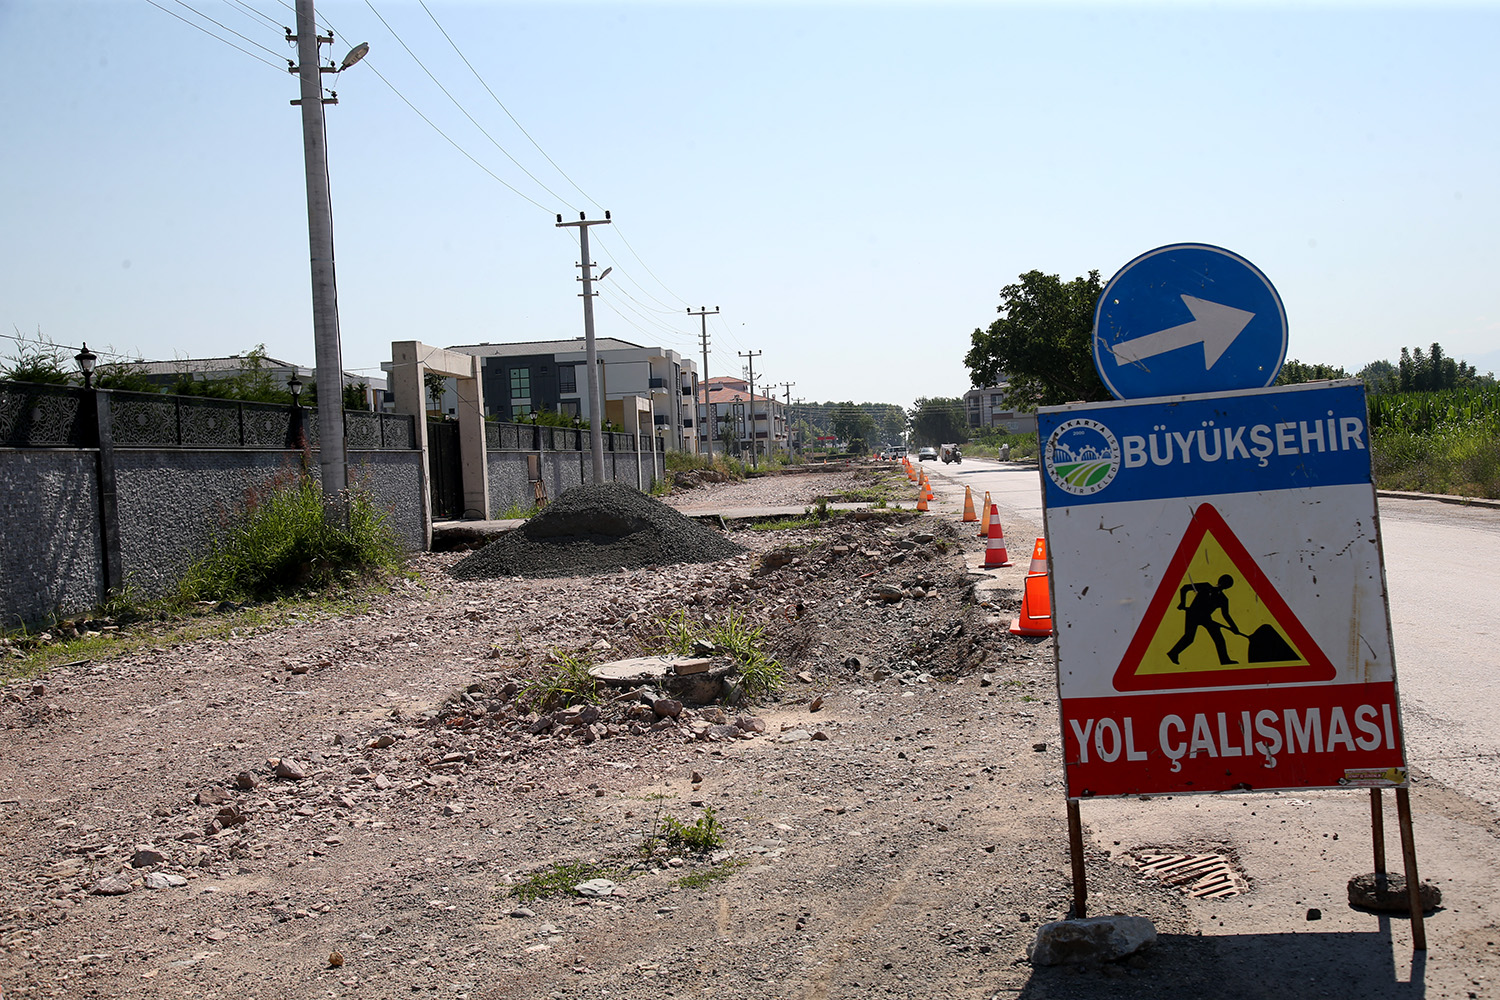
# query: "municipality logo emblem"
1082, 457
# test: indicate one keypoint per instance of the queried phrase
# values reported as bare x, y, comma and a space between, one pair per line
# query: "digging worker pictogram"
1207, 598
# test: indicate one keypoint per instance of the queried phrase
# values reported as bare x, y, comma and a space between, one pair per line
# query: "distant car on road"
926, 453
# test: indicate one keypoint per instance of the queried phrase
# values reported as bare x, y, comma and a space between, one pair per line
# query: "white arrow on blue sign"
1188, 318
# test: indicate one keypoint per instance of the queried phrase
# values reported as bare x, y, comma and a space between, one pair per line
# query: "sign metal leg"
1075, 851
1377, 835
1409, 856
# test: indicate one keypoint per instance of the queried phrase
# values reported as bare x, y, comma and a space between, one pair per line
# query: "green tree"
939, 420
853, 424
42, 362
1042, 343
1295, 372
1379, 376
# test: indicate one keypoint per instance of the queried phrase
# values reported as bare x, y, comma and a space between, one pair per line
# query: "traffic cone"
922, 502
969, 514
1038, 558
1036, 608
995, 555
984, 524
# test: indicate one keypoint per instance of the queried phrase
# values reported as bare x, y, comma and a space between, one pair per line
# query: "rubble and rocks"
590, 530
1095, 939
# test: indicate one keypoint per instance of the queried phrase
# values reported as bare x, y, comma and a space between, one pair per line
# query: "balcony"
657, 383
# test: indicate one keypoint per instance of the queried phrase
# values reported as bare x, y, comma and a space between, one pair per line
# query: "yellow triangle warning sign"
1216, 620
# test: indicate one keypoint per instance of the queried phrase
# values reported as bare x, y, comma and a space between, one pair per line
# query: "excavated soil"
597, 529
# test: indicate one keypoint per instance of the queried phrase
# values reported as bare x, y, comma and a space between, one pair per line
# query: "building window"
568, 407
520, 383
567, 379
995, 400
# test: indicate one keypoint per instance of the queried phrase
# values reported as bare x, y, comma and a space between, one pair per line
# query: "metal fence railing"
54, 416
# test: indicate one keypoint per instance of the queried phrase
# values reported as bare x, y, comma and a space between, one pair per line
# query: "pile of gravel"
597, 529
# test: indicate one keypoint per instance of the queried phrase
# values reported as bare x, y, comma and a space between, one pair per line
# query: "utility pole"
703, 315
328, 354
591, 355
754, 450
787, 392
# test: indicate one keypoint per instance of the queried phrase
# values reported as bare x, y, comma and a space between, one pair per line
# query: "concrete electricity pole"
328, 353
703, 315
754, 448
787, 391
591, 355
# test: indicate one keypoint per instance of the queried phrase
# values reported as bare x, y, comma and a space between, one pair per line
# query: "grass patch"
818, 513
566, 682
704, 834
27, 652
516, 512
560, 878
707, 877
682, 461
1453, 459
282, 542
760, 674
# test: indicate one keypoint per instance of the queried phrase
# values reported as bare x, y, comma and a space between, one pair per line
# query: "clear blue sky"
852, 183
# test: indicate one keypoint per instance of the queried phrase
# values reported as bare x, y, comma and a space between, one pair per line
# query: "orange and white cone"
984, 524
969, 514
1036, 608
922, 503
1038, 558
995, 555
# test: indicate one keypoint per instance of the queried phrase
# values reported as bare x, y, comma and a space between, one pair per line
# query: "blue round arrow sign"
1188, 318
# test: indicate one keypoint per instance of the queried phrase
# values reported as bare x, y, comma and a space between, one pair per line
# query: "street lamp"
294, 386
86, 359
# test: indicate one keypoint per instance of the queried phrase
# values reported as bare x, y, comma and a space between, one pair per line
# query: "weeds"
675, 636
760, 674
705, 878
516, 512
566, 682
705, 834
561, 877
283, 542
733, 635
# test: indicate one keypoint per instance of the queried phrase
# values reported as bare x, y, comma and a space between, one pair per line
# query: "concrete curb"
1485, 502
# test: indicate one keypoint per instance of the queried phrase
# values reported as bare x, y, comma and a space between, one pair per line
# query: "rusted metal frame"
1075, 851
1409, 857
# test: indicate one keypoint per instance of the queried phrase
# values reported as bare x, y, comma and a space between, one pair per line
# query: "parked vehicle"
950, 453
926, 453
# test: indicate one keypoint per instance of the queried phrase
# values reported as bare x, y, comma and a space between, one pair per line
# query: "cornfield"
1437, 442
1476, 407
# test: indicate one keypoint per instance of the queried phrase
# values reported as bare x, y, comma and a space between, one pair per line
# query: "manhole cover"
1203, 876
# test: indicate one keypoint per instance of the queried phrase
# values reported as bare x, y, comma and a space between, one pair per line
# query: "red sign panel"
1344, 734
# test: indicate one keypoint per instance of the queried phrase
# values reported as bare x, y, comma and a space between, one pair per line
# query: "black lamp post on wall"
86, 359
296, 435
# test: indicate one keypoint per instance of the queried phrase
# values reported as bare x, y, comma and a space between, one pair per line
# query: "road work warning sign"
1218, 596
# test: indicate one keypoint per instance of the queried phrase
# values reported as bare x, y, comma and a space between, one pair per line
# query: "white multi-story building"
526, 377
728, 411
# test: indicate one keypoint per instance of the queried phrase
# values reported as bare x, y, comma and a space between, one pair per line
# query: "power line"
226, 27
252, 13
502, 106
210, 34
454, 144
461, 108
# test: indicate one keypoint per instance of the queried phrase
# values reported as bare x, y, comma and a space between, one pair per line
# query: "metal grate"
1202, 876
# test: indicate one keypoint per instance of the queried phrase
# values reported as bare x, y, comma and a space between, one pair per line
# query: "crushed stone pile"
597, 529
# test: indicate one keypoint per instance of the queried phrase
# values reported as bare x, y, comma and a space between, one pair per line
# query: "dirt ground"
893, 823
